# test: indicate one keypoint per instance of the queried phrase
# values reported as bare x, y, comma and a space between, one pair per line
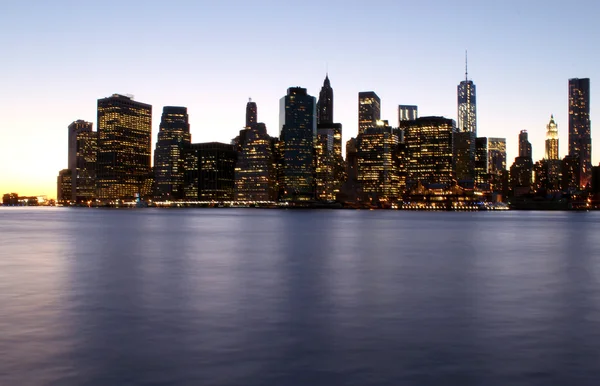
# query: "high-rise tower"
369, 110
298, 131
524, 145
251, 113
83, 147
551, 140
325, 103
467, 128
580, 140
173, 137
124, 147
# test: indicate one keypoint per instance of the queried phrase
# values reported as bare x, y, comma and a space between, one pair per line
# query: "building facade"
407, 113
83, 151
551, 140
124, 147
298, 132
325, 103
377, 163
429, 145
173, 136
64, 187
255, 174
369, 110
580, 139
209, 172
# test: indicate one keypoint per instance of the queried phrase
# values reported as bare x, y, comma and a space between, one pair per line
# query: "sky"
60, 57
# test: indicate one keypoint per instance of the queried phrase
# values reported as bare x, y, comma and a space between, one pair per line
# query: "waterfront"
281, 297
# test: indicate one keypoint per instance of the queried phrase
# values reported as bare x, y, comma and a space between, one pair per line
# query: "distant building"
465, 139
429, 151
521, 171
377, 164
524, 145
173, 136
580, 139
407, 113
481, 162
255, 174
83, 151
298, 123
496, 162
571, 173
551, 140
209, 172
124, 147
10, 199
251, 114
325, 103
64, 186
369, 110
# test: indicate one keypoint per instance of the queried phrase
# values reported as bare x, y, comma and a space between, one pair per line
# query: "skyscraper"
173, 136
329, 165
467, 129
64, 186
209, 171
255, 174
524, 145
407, 113
378, 173
124, 147
369, 110
481, 162
497, 163
325, 103
83, 148
580, 140
251, 113
298, 131
429, 151
551, 140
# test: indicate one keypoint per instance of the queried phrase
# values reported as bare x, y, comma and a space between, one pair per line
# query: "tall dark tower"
325, 103
298, 122
83, 149
173, 137
251, 113
369, 110
580, 140
124, 147
465, 139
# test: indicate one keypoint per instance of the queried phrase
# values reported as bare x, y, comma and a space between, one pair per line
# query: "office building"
209, 172
325, 103
429, 151
255, 174
571, 173
298, 132
251, 113
524, 145
83, 150
551, 140
580, 139
173, 136
64, 187
369, 110
481, 162
407, 113
124, 147
377, 163
521, 171
465, 140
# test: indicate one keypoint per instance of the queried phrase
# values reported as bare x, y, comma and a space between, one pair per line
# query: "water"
275, 297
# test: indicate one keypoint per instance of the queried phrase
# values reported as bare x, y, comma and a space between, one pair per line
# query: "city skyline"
64, 87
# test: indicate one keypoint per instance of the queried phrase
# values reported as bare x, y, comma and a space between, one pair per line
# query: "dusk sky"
60, 57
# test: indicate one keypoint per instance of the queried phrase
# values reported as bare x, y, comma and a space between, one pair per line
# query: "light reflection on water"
273, 297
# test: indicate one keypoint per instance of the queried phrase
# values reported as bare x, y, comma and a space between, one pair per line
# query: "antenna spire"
466, 67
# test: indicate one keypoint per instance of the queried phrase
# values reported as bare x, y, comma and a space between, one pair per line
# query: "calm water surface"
274, 297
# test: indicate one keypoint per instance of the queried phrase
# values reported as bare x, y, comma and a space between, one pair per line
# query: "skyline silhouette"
211, 58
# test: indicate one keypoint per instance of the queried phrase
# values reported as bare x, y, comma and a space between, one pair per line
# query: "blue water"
276, 297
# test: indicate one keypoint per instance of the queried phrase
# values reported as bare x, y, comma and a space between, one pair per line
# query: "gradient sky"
59, 57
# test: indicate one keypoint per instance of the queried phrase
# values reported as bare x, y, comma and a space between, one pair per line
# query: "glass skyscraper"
83, 148
173, 136
124, 147
298, 131
580, 139
369, 110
